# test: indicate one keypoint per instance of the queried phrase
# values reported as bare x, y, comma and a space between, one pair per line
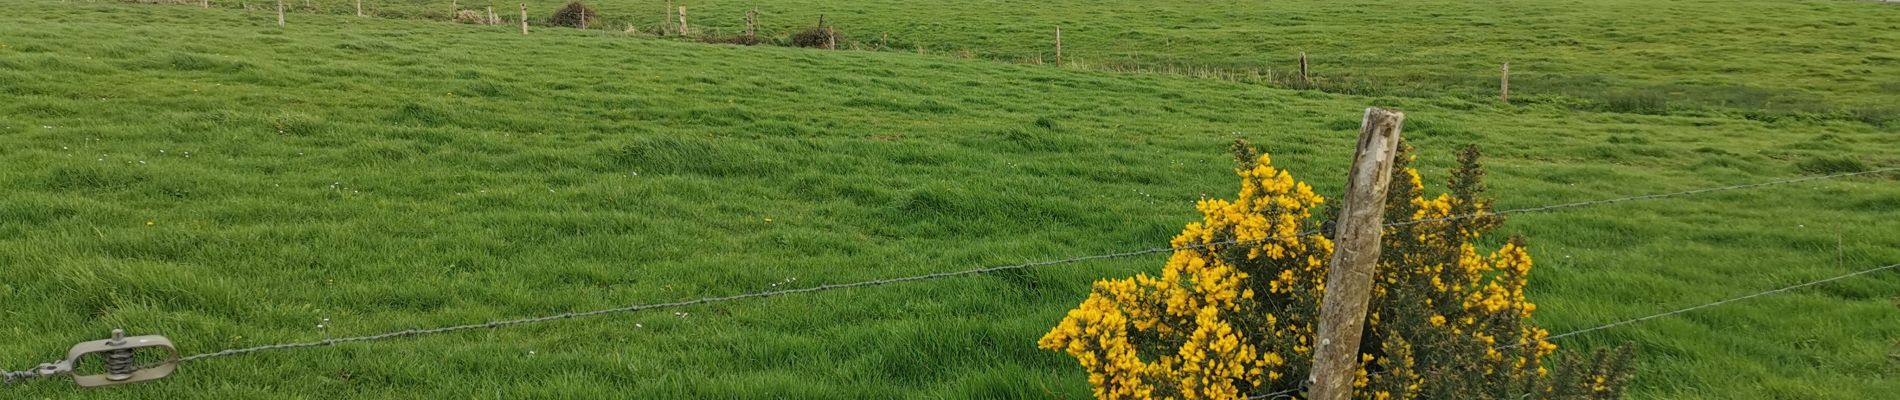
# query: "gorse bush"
816, 37
470, 17
1234, 311
575, 15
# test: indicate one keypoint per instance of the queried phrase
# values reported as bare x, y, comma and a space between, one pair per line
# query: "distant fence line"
825, 35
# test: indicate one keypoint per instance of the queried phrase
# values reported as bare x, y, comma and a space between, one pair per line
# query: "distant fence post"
583, 18
752, 23
1356, 258
205, 4
683, 27
1058, 45
454, 5
1504, 83
280, 13
831, 41
492, 19
359, 8
524, 18
1302, 66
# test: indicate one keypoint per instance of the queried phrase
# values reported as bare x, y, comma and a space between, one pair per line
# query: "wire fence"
11, 377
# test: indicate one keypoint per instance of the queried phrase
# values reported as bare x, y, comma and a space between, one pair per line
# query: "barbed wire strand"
1654, 196
1702, 306
10, 376
940, 275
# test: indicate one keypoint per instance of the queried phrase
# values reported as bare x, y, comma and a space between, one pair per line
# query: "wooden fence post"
583, 18
524, 18
1355, 258
1058, 45
752, 23
831, 40
1302, 66
280, 13
492, 19
359, 8
683, 28
205, 4
1504, 83
454, 5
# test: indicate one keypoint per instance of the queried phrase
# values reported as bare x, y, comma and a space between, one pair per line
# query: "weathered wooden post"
454, 5
205, 4
524, 18
1058, 45
684, 29
1302, 67
1504, 83
583, 17
1356, 255
831, 37
752, 23
492, 19
280, 13
359, 8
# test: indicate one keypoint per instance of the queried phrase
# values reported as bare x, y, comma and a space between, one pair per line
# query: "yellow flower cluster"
1202, 304
1233, 310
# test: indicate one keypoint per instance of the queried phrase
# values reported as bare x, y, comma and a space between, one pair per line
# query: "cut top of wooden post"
1378, 141
1355, 257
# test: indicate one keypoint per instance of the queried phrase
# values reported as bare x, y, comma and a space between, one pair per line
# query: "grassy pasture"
1760, 59
206, 175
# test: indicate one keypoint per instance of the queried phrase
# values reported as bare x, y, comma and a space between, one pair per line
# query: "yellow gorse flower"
1232, 313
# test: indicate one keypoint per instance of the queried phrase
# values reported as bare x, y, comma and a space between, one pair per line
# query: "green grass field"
206, 175
1759, 59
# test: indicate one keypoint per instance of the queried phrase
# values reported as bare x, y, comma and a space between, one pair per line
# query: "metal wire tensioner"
121, 361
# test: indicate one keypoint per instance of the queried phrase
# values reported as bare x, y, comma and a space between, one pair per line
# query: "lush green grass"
206, 175
1761, 59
